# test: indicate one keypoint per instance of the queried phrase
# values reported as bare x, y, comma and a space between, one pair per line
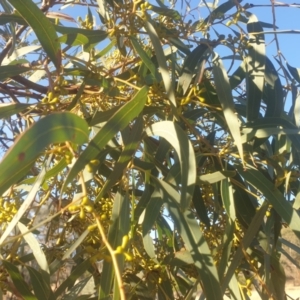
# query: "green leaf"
76, 244
219, 11
151, 212
18, 53
42, 27
55, 128
161, 61
295, 72
76, 289
70, 281
273, 195
226, 100
255, 68
94, 36
73, 39
18, 281
144, 56
245, 243
166, 12
12, 70
273, 92
9, 109
184, 149
200, 207
50, 174
130, 146
41, 288
216, 176
188, 227
116, 123
24, 206
34, 245
199, 54
238, 76
120, 227
228, 198
7, 18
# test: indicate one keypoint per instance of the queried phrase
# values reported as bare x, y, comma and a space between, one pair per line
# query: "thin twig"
113, 257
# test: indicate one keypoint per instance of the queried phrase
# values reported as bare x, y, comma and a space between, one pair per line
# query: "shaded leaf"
273, 195
12, 70
199, 54
195, 243
7, 18
70, 281
117, 122
41, 288
295, 72
224, 92
255, 68
94, 36
9, 109
18, 281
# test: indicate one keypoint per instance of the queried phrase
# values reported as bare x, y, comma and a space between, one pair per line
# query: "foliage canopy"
139, 158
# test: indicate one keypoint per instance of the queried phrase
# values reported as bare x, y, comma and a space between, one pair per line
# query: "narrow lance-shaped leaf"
36, 250
200, 53
55, 128
42, 27
161, 61
9, 109
188, 227
225, 96
116, 123
18, 281
255, 68
295, 72
119, 228
184, 149
144, 56
12, 70
273, 195
126, 155
273, 92
40, 286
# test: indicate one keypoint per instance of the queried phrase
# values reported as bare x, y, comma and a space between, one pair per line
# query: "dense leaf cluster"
137, 158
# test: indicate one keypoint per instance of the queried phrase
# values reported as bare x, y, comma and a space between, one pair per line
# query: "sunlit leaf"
42, 27
177, 138
161, 61
55, 128
225, 97
36, 250
119, 228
